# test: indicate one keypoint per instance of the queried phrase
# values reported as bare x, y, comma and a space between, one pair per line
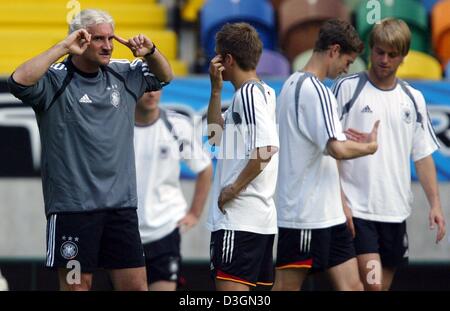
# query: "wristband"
152, 51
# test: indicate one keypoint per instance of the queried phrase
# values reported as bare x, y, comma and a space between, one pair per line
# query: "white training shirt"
161, 203
378, 187
308, 192
249, 123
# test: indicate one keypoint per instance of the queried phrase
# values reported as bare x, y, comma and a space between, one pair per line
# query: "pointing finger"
376, 125
121, 40
141, 38
216, 59
137, 42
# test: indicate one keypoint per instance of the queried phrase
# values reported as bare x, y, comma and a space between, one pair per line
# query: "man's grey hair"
90, 17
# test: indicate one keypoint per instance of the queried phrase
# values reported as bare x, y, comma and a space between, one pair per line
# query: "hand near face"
215, 72
77, 42
139, 45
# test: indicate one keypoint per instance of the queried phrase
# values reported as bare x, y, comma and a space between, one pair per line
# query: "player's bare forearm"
202, 185
258, 161
256, 164
214, 118
344, 150
358, 144
160, 67
230, 192
32, 70
426, 171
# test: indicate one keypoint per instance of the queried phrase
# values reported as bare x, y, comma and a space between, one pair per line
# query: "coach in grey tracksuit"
85, 111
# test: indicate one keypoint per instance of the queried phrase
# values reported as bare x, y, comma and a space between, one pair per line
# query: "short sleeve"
141, 79
318, 117
342, 91
425, 141
39, 95
258, 118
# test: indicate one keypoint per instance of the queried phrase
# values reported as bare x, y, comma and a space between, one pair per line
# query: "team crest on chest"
114, 97
164, 152
406, 113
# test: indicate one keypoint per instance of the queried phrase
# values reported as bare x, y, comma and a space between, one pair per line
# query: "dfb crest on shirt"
69, 250
115, 98
163, 152
406, 113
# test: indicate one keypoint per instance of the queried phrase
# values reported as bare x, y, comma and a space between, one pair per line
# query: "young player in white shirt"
163, 138
242, 215
312, 225
378, 188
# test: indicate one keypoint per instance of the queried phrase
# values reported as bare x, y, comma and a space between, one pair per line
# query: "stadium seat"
273, 63
276, 4
151, 15
352, 4
215, 13
300, 61
429, 4
300, 21
31, 27
166, 40
29, 43
190, 10
9, 65
441, 30
421, 66
89, 3
411, 11
447, 71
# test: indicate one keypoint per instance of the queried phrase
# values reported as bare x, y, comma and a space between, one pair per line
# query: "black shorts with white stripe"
316, 249
242, 257
163, 258
104, 239
390, 240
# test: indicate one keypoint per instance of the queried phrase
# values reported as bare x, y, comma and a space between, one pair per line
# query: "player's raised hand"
77, 42
361, 137
373, 135
355, 135
215, 72
139, 45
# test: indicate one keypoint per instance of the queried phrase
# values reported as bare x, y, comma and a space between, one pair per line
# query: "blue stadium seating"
411, 11
428, 4
215, 13
273, 63
447, 71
